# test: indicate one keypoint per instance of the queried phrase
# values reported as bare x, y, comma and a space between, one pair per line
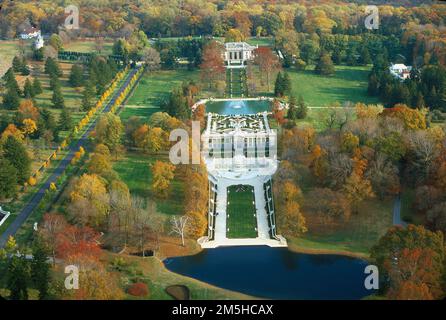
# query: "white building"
240, 150
237, 54
400, 71
38, 43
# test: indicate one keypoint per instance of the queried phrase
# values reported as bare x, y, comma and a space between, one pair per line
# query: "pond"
236, 107
276, 273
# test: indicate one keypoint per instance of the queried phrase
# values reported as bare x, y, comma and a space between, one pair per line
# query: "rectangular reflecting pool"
237, 107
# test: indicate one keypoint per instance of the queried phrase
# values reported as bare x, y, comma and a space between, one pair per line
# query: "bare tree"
179, 226
99, 44
152, 59
425, 151
142, 226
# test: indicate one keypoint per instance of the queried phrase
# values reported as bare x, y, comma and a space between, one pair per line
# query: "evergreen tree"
76, 76
52, 67
37, 87
40, 269
302, 108
324, 65
286, 84
292, 111
17, 64
87, 97
278, 85
28, 89
54, 82
373, 87
11, 82
11, 100
177, 105
365, 56
8, 179
57, 98
25, 69
15, 152
18, 278
65, 121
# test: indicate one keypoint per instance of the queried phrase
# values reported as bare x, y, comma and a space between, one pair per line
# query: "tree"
302, 108
8, 179
212, 65
278, 85
11, 100
18, 278
56, 42
328, 204
292, 113
29, 126
14, 151
152, 59
108, 131
65, 120
163, 173
37, 87
178, 105
76, 78
50, 229
234, 35
90, 201
40, 269
179, 226
325, 65
411, 254
88, 96
267, 61
11, 82
28, 90
57, 98
52, 68
150, 139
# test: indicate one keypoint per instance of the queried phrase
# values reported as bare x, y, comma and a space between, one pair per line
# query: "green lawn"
88, 46
152, 90
347, 84
134, 170
241, 219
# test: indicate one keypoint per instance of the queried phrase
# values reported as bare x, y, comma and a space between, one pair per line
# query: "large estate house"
240, 154
237, 54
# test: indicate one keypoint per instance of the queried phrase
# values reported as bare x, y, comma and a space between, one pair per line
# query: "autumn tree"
108, 131
267, 61
163, 173
413, 254
90, 202
212, 65
50, 227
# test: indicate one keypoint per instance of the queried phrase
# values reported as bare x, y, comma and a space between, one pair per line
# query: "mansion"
240, 150
237, 54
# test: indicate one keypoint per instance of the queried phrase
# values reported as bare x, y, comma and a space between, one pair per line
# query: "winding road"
82, 142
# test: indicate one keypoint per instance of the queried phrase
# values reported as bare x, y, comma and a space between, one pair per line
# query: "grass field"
134, 170
152, 90
347, 84
88, 46
241, 219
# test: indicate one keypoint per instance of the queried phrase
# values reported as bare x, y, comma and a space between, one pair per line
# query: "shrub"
32, 181
138, 289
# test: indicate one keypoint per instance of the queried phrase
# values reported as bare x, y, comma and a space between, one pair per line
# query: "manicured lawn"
8, 49
241, 219
347, 84
88, 46
134, 170
153, 89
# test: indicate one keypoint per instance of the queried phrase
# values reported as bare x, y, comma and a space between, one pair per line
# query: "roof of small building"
29, 30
